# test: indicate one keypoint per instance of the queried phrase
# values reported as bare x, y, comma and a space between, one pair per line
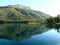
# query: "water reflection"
23, 34
20, 31
54, 26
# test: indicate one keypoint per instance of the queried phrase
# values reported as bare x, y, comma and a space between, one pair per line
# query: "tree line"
53, 20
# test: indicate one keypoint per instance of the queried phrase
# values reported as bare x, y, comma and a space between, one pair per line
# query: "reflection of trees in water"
20, 31
55, 26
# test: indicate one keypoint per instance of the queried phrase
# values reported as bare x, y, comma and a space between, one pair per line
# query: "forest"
53, 20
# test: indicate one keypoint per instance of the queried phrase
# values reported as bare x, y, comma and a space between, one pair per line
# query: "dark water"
23, 34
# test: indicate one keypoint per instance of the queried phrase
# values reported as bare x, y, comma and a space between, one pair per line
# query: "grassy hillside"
21, 13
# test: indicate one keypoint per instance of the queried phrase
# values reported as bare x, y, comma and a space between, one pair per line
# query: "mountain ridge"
21, 13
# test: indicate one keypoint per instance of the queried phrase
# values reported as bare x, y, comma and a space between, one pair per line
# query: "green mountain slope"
21, 13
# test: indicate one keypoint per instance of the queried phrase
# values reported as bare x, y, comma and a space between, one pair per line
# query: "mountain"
21, 13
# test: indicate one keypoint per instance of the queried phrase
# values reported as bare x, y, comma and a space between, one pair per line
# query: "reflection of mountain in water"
20, 31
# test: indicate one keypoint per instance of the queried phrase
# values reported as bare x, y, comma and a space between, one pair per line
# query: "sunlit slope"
21, 13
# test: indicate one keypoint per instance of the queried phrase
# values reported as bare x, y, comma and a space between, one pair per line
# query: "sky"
51, 7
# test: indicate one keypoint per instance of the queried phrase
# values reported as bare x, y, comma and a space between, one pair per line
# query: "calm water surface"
23, 34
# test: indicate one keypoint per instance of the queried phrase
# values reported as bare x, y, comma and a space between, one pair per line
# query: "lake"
24, 34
